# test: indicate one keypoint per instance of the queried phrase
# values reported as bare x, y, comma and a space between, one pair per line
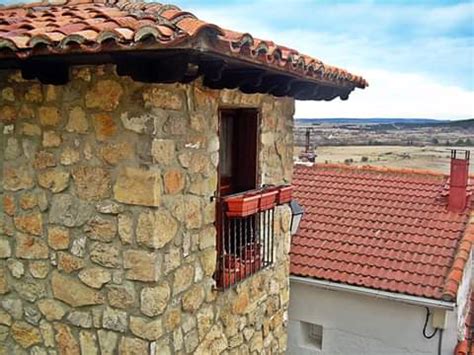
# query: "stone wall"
107, 237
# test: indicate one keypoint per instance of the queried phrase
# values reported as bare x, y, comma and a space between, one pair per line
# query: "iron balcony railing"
245, 228
245, 232
245, 245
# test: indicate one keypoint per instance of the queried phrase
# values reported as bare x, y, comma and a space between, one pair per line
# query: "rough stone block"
25, 334
105, 95
74, 292
153, 300
156, 229
30, 247
141, 265
65, 341
92, 183
138, 187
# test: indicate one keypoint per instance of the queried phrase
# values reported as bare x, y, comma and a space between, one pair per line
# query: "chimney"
458, 180
308, 156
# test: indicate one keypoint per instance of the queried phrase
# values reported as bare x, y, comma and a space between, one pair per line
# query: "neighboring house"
382, 260
124, 127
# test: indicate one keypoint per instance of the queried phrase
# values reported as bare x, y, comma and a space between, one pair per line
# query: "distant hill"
398, 121
463, 123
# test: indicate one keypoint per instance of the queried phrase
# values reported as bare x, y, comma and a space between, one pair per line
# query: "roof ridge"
373, 168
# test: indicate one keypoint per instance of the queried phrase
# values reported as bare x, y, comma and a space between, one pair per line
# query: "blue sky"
417, 55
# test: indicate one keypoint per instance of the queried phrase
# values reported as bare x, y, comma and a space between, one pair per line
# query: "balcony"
245, 230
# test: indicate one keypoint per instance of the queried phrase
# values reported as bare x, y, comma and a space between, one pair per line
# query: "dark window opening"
238, 134
245, 239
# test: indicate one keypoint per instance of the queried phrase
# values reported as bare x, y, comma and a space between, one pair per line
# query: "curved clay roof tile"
7, 43
83, 21
145, 32
88, 35
42, 39
119, 34
71, 40
20, 41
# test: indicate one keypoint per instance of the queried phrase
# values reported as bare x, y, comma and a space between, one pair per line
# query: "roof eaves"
170, 28
455, 275
371, 292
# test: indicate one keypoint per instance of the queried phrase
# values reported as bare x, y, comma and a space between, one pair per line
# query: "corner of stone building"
108, 237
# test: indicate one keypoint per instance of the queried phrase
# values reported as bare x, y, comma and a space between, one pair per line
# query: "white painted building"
379, 254
357, 320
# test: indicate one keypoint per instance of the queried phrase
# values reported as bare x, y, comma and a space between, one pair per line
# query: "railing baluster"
241, 236
242, 246
249, 247
258, 242
262, 233
258, 255
265, 231
229, 250
262, 241
222, 229
267, 215
272, 236
253, 238
249, 244
267, 219
234, 236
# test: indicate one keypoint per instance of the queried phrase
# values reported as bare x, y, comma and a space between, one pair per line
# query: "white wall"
356, 324
463, 298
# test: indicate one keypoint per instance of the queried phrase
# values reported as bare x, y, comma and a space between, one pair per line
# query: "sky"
418, 56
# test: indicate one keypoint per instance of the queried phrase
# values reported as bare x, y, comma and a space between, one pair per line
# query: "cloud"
396, 95
432, 39
417, 56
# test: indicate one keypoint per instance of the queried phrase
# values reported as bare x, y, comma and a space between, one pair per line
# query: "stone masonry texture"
107, 236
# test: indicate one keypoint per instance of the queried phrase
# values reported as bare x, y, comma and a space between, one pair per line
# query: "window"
244, 240
312, 335
244, 212
238, 137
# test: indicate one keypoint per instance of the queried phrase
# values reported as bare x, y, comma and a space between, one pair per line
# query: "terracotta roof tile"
89, 22
380, 228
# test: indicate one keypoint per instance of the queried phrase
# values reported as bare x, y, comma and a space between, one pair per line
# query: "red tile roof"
105, 26
380, 228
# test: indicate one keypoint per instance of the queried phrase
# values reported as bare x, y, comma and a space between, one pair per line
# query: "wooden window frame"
248, 240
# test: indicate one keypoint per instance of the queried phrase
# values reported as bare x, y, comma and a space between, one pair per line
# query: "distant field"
434, 158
